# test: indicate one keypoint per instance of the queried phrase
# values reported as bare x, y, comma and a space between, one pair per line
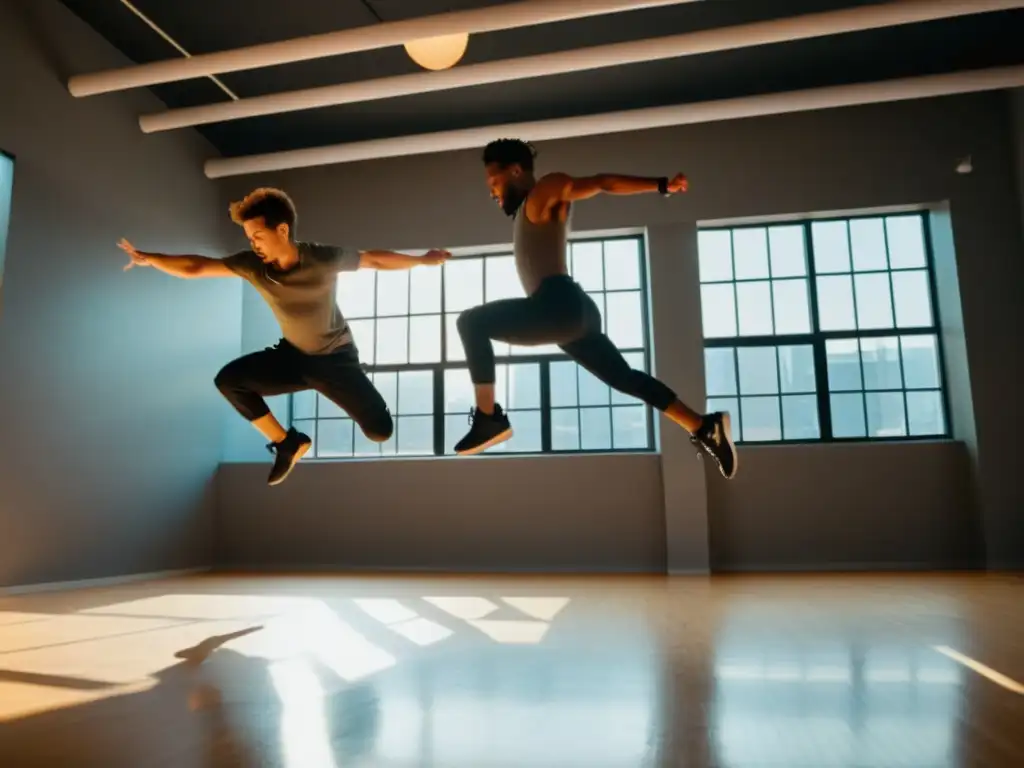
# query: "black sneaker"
287, 455
486, 431
715, 437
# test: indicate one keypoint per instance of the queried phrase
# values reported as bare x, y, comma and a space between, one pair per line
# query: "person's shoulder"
320, 252
242, 261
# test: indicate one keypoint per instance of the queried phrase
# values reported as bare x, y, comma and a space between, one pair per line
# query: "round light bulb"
438, 52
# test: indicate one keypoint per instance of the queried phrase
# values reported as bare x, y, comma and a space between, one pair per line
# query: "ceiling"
202, 26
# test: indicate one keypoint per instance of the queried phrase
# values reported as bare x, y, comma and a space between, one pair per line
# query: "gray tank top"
539, 249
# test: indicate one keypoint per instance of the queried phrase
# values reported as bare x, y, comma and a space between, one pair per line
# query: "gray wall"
938, 504
111, 426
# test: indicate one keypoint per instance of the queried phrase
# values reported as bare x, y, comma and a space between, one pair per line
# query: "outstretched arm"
392, 260
562, 188
187, 267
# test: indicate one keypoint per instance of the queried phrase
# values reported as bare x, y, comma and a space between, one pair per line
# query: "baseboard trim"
106, 581
840, 568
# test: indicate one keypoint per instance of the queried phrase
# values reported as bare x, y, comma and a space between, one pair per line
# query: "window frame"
818, 339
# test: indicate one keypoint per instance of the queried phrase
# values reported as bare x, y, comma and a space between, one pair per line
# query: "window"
6, 188
823, 330
404, 325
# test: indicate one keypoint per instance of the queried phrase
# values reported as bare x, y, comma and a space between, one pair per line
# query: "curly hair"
506, 152
272, 205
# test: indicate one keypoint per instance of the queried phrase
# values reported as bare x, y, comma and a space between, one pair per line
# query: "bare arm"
558, 188
187, 267
391, 260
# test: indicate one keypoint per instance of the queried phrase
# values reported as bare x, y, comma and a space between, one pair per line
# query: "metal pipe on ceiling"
686, 44
524, 13
903, 89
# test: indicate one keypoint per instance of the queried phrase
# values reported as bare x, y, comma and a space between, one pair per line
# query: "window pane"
565, 430
563, 383
415, 393
843, 360
750, 253
629, 427
625, 320
835, 304
718, 310
393, 341
758, 371
334, 438
502, 278
755, 305
387, 385
906, 241
886, 417
867, 239
415, 435
634, 360
307, 427
792, 306
730, 405
588, 266
874, 301
622, 264
924, 412
454, 351
463, 284
831, 247
596, 429
425, 339
516, 350
455, 428
789, 258
761, 420
304, 405
526, 436
912, 296
356, 293
458, 391
425, 291
720, 371
364, 337
796, 369
326, 409
593, 391
523, 386
392, 292
848, 415
881, 363
714, 255
800, 417
920, 362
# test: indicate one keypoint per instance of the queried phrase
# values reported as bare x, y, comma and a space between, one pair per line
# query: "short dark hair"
272, 205
506, 152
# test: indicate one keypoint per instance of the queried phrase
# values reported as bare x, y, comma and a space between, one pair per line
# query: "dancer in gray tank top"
556, 310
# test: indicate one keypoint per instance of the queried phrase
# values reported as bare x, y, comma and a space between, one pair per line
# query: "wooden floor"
791, 672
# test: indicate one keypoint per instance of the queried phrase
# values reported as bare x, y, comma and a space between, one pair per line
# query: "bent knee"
380, 431
226, 378
466, 320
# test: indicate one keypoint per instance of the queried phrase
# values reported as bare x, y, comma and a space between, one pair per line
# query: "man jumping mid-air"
298, 280
556, 309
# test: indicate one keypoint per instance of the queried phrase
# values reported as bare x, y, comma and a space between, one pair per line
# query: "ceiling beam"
524, 13
903, 89
803, 27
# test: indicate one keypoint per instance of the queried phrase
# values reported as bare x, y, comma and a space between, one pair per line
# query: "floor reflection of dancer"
298, 281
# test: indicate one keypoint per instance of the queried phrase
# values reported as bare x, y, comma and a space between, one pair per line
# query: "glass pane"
730, 405
364, 338
588, 265
364, 446
786, 245
356, 293
334, 438
848, 415
758, 371
458, 391
523, 386
714, 255
565, 429
800, 417
454, 351
755, 305
843, 360
718, 310
502, 278
867, 238
831, 247
920, 362
720, 371
874, 301
415, 435
634, 360
526, 436
629, 427
563, 383
425, 339
625, 320
387, 385
463, 284
761, 419
516, 350
924, 412
881, 363
792, 306
796, 369
304, 405
595, 429
886, 417
835, 304
912, 296
425, 291
593, 391
326, 409
906, 241
415, 393
392, 292
750, 253
393, 340
622, 264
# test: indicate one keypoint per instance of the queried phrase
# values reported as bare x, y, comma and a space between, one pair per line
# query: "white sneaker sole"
496, 440
727, 428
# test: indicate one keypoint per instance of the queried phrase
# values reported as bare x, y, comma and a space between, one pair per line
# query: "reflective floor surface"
879, 671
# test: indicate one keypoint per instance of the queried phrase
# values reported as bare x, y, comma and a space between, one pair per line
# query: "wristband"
663, 186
